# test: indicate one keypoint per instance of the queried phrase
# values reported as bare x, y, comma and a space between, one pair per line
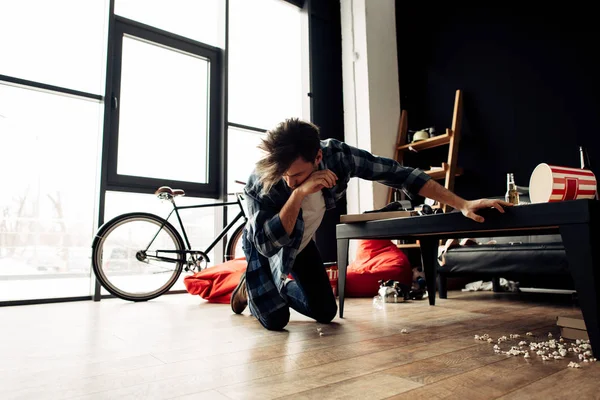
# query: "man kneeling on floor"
299, 178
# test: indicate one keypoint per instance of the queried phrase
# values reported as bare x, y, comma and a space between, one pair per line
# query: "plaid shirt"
270, 251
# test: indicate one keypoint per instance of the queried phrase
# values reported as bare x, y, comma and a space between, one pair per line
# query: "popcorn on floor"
404, 331
552, 349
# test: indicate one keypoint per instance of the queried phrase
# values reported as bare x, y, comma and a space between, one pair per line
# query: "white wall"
371, 94
370, 84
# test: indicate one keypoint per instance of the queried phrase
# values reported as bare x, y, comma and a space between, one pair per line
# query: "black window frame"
128, 183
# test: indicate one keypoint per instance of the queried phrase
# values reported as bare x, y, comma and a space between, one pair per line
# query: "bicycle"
127, 267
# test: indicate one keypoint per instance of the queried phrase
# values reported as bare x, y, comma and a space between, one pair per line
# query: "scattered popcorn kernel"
563, 352
529, 334
406, 331
522, 343
574, 365
549, 334
490, 340
526, 355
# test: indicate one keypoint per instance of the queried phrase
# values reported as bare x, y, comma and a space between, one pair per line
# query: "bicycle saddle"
169, 191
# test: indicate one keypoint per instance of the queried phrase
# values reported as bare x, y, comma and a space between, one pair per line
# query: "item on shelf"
420, 135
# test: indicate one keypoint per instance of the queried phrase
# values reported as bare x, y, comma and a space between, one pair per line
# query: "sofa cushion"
509, 261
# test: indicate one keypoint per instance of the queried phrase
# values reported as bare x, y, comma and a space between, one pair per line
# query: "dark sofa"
534, 261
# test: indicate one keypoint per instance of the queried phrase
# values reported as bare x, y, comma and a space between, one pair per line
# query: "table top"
542, 218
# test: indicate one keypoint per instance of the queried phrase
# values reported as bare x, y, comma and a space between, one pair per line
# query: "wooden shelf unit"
449, 169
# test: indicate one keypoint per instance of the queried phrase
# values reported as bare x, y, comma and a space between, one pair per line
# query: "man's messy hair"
289, 140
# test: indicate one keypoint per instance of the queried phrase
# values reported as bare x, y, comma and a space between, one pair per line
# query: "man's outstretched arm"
435, 191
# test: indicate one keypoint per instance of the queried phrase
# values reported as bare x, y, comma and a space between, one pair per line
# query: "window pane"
163, 119
58, 42
265, 62
242, 155
203, 21
199, 223
48, 156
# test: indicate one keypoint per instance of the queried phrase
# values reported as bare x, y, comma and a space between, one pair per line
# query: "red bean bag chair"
216, 284
376, 260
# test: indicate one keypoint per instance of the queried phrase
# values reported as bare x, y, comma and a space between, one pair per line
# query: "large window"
51, 84
165, 121
268, 70
49, 164
97, 110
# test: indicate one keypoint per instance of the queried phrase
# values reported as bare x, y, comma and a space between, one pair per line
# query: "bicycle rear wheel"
135, 259
234, 244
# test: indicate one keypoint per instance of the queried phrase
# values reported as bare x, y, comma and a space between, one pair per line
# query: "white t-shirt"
313, 210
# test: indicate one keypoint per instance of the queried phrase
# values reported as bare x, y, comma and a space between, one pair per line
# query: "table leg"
579, 241
429, 248
342, 262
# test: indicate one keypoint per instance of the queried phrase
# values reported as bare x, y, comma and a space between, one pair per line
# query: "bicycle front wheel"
137, 256
234, 244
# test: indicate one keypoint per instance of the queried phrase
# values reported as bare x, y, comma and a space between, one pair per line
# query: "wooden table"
578, 222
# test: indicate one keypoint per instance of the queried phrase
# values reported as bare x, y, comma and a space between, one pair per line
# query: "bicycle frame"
189, 250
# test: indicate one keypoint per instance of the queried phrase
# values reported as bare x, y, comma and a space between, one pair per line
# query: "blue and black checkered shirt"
270, 251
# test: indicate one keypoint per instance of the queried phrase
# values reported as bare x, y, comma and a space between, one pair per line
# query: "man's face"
300, 170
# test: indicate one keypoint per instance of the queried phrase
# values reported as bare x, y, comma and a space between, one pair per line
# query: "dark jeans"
309, 293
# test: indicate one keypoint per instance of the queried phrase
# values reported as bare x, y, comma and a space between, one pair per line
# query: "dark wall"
325, 35
530, 83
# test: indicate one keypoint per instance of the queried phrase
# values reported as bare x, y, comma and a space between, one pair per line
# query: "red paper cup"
550, 183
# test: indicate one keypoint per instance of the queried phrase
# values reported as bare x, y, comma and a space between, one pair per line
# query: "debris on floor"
506, 285
547, 350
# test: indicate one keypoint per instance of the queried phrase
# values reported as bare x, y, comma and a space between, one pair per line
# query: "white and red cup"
333, 274
550, 183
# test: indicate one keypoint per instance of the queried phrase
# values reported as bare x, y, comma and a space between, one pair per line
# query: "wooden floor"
178, 346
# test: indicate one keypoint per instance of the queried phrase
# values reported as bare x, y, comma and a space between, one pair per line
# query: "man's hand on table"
471, 206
